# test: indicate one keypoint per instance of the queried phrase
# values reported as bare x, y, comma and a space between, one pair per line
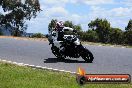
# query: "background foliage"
16, 13
100, 30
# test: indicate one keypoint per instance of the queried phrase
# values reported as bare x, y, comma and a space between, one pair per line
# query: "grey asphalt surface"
107, 59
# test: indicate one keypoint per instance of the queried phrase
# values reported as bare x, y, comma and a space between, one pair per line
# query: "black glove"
75, 31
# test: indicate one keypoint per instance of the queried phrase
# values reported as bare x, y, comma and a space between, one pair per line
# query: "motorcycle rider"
59, 29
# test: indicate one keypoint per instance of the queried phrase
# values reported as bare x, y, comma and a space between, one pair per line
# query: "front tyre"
56, 52
87, 55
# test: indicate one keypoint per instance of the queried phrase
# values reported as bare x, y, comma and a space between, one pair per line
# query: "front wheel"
56, 52
87, 55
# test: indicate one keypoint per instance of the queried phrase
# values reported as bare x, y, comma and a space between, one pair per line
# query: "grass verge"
25, 38
83, 42
13, 76
108, 44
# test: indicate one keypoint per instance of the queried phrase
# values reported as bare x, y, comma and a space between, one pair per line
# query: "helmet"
59, 24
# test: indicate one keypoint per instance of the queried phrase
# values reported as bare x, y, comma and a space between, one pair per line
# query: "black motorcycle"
72, 48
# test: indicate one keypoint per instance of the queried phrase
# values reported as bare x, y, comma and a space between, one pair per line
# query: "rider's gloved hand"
75, 31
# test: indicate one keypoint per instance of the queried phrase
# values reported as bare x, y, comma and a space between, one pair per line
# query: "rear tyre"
87, 55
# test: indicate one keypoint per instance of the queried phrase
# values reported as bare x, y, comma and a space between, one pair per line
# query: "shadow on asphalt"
56, 60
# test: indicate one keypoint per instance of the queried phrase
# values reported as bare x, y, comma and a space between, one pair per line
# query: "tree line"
100, 30
16, 14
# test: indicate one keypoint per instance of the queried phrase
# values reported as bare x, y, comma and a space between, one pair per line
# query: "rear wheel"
87, 55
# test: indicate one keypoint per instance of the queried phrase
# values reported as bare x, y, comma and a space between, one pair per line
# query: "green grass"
13, 76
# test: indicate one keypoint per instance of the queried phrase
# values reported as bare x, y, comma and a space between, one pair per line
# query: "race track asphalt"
108, 59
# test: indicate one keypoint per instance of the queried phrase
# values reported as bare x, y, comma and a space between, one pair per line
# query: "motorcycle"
71, 47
